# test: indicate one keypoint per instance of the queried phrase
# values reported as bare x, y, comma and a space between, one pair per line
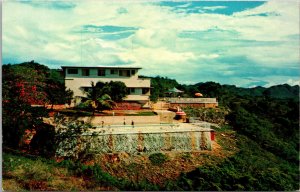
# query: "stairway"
160, 105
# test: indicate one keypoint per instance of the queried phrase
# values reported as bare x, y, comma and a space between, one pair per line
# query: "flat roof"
101, 67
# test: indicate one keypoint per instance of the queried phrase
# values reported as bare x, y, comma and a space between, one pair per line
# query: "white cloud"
212, 8
32, 32
283, 80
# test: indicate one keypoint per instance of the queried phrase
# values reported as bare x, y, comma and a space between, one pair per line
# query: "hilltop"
257, 142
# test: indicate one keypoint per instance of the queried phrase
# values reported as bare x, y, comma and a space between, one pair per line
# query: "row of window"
130, 90
101, 72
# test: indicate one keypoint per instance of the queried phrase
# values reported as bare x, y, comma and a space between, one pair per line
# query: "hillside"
257, 142
212, 89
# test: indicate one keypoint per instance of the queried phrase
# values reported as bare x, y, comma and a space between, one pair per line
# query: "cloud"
241, 43
216, 7
213, 8
108, 32
59, 5
274, 81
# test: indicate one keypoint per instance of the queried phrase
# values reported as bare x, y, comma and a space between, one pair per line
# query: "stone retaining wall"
149, 142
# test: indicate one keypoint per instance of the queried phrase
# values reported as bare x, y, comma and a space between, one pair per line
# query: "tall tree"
57, 93
22, 87
117, 90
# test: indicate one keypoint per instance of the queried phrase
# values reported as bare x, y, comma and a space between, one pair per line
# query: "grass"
72, 112
142, 113
25, 173
28, 173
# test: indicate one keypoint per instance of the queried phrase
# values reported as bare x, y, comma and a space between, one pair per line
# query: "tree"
28, 84
57, 92
22, 87
160, 86
117, 90
97, 97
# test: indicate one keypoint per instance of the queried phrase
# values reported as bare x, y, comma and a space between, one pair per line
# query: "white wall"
75, 82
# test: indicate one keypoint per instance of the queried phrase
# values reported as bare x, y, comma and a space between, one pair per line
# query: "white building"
79, 78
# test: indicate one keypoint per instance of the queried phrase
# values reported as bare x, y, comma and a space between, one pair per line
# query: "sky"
243, 43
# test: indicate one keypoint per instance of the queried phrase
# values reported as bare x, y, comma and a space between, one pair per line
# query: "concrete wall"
75, 82
191, 100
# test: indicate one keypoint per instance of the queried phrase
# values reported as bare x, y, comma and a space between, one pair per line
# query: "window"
72, 71
124, 73
85, 72
145, 90
114, 71
101, 72
132, 72
132, 90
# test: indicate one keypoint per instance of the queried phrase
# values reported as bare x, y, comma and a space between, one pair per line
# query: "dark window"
85, 72
72, 71
124, 73
132, 90
145, 90
113, 71
132, 72
101, 72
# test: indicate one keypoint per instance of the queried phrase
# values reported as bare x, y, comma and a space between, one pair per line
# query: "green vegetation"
24, 85
158, 158
253, 168
142, 113
97, 98
211, 115
35, 173
266, 122
160, 86
268, 141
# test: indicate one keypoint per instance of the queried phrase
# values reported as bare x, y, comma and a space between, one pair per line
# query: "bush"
158, 158
38, 171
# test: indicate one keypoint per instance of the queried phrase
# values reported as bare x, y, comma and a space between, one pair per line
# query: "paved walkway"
148, 128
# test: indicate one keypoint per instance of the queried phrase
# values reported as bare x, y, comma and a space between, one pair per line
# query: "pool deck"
149, 128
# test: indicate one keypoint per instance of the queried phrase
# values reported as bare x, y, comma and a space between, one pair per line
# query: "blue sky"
245, 43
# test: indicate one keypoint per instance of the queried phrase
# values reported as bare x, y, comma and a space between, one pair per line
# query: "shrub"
38, 171
158, 158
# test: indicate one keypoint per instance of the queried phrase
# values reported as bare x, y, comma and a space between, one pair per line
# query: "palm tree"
97, 99
105, 102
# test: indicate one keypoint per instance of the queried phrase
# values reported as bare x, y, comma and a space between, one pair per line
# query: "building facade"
78, 79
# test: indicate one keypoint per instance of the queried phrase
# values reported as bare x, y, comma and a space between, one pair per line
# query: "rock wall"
149, 142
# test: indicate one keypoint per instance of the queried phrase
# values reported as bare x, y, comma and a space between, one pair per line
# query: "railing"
191, 100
